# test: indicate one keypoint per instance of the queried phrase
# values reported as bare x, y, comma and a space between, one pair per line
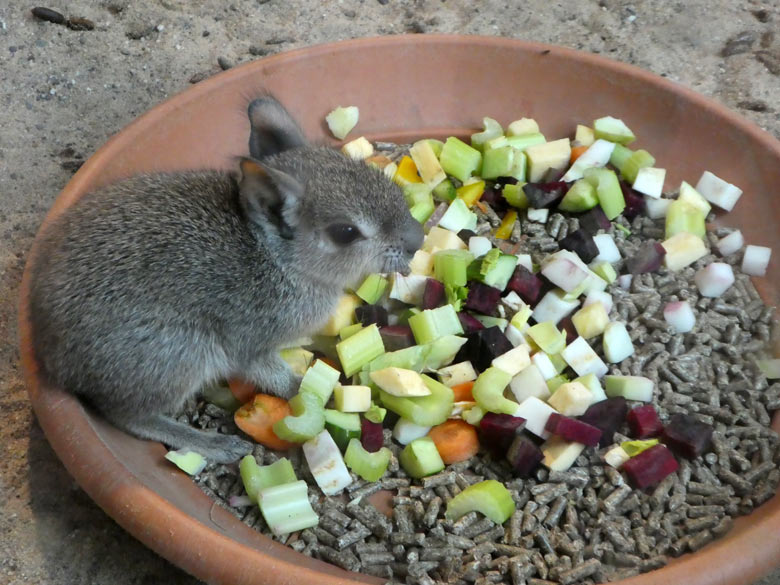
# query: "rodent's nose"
413, 237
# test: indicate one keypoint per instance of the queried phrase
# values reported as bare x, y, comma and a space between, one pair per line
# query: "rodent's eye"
343, 233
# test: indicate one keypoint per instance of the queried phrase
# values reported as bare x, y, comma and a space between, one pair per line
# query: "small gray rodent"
146, 290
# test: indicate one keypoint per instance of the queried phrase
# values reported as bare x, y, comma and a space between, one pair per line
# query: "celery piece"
606, 271
369, 466
189, 462
456, 295
488, 391
489, 497
436, 145
490, 321
434, 323
417, 193
492, 130
286, 507
342, 426
520, 318
449, 266
350, 330
458, 217
519, 166
684, 217
613, 129
361, 348
489, 260
427, 163
556, 382
420, 458
297, 358
221, 396
307, 418
556, 359
444, 191
497, 162
372, 289
425, 411
459, 159
498, 276
524, 141
515, 196
442, 351
608, 191
470, 192
638, 160
547, 337
423, 210
634, 448
408, 358
473, 415
342, 120
256, 478
320, 379
375, 413
580, 197
620, 155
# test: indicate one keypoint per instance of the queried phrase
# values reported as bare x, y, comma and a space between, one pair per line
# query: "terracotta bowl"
406, 87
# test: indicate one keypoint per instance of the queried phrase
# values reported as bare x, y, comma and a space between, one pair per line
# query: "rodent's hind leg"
271, 374
213, 446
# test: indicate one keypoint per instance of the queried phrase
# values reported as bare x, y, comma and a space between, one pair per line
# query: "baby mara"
147, 290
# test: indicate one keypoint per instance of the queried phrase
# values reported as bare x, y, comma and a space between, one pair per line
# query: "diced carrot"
242, 390
462, 391
576, 152
257, 417
455, 439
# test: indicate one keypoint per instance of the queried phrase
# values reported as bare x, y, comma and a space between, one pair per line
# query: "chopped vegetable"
560, 454
549, 155
616, 456
420, 458
320, 379
375, 413
634, 448
406, 172
341, 315
342, 120
629, 387
256, 478
353, 398
617, 342
582, 359
644, 422
455, 439
258, 417
470, 193
463, 392
687, 436
358, 149
613, 129
714, 279
650, 467
307, 419
286, 507
756, 260
682, 250
717, 191
342, 426
459, 159
505, 229
492, 130
400, 382
326, 464
449, 266
221, 396
429, 325
608, 191
488, 497
372, 289
424, 410
189, 462
427, 163
359, 349
369, 466
458, 217
242, 390
571, 399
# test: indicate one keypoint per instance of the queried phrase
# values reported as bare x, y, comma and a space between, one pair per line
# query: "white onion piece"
608, 250
714, 279
731, 243
756, 260
650, 181
680, 316
717, 191
656, 208
479, 246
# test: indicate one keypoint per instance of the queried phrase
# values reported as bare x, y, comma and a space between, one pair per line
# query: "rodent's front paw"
229, 448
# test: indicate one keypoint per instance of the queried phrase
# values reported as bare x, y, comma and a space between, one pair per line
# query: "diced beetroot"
469, 323
482, 298
594, 220
371, 436
687, 436
465, 235
497, 431
526, 284
647, 259
492, 196
482, 347
572, 429
433, 296
544, 194
369, 314
644, 422
524, 456
436, 216
635, 203
396, 337
581, 243
607, 416
571, 332
650, 467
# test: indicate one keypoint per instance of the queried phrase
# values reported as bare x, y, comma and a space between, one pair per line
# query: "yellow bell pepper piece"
406, 172
505, 229
470, 193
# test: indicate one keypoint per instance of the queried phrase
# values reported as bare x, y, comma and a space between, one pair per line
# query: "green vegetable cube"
359, 349
434, 323
580, 197
420, 458
342, 426
372, 289
608, 191
459, 159
320, 379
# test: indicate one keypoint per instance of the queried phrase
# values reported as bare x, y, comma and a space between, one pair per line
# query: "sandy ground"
64, 92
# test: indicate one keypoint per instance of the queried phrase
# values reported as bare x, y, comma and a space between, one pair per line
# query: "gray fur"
148, 289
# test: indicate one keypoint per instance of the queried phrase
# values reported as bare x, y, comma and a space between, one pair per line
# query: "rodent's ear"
273, 129
270, 198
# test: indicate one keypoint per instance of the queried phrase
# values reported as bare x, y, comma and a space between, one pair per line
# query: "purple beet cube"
544, 194
371, 436
644, 422
482, 298
635, 203
607, 415
568, 326
647, 259
526, 284
594, 220
524, 456
497, 431
396, 337
581, 243
482, 347
650, 467
494, 197
572, 429
370, 314
469, 323
433, 295
687, 436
